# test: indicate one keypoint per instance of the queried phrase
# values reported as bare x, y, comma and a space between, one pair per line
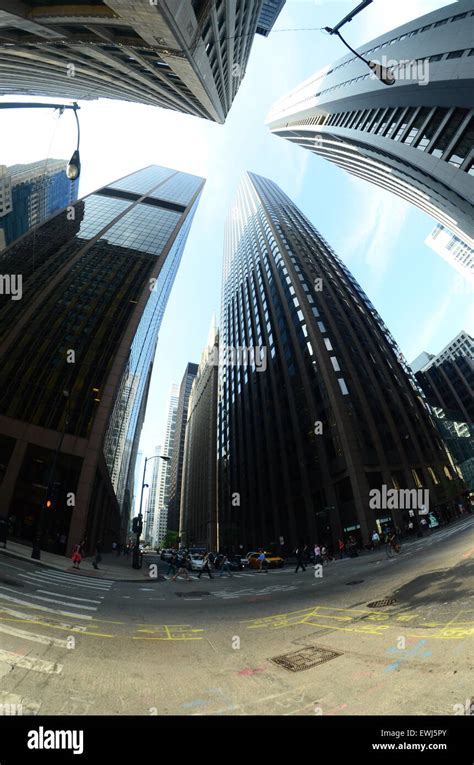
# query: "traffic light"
137, 525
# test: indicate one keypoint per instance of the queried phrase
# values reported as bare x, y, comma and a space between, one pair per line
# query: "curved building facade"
335, 411
414, 138
186, 55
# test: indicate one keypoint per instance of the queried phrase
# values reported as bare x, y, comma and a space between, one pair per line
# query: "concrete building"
95, 284
271, 9
413, 138
453, 250
198, 513
32, 193
152, 497
333, 413
185, 55
177, 460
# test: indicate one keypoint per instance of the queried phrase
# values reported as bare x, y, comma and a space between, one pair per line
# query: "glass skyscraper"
332, 413
77, 350
30, 194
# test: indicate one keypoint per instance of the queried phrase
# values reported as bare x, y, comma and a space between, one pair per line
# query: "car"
166, 555
273, 560
195, 562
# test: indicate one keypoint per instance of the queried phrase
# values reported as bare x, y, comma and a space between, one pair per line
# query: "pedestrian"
324, 555
375, 539
263, 562
181, 567
341, 545
172, 564
76, 556
317, 554
299, 559
98, 555
225, 566
205, 566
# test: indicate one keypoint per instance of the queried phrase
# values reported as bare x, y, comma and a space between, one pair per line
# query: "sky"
379, 236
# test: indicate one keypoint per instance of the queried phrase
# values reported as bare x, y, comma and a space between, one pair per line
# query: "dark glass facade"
335, 411
450, 386
95, 283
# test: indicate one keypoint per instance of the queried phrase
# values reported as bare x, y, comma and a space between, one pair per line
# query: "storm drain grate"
356, 581
306, 658
381, 603
192, 594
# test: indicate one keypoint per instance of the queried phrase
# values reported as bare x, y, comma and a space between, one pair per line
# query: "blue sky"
380, 237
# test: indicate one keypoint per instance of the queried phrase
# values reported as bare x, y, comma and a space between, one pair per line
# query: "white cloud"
381, 217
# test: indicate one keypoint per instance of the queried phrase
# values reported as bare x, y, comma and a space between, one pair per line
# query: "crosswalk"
236, 575
50, 592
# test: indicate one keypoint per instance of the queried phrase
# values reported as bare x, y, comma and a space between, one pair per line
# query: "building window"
446, 136
343, 386
417, 124
463, 146
416, 479
431, 128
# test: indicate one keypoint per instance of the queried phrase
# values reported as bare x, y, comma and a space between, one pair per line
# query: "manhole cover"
192, 594
356, 581
381, 603
306, 658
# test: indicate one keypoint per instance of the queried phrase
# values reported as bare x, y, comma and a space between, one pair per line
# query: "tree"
171, 539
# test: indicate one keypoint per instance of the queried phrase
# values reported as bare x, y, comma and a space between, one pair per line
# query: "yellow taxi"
272, 560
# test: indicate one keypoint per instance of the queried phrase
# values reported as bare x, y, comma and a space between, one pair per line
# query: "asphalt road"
72, 644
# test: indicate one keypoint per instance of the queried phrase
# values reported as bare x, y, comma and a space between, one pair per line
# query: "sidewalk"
112, 566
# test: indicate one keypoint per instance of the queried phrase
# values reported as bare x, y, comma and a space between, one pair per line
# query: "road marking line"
61, 602
23, 618
35, 637
87, 600
29, 662
71, 579
43, 608
43, 579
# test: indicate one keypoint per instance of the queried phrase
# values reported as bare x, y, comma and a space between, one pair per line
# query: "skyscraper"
271, 9
333, 413
161, 516
198, 517
29, 194
413, 138
447, 379
176, 464
152, 498
77, 350
453, 250
185, 55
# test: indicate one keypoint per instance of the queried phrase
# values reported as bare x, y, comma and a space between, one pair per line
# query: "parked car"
273, 561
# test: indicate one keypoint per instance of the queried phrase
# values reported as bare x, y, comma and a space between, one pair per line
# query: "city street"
79, 644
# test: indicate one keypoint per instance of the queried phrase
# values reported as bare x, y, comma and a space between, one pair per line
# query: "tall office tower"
459, 439
271, 9
152, 497
413, 138
161, 517
447, 380
185, 55
198, 519
453, 250
176, 465
77, 350
333, 411
29, 194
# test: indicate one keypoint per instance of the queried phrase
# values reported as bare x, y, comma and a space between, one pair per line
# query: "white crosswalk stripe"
30, 662
71, 581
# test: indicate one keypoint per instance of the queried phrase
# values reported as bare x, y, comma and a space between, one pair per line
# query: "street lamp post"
139, 527
73, 169
381, 72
